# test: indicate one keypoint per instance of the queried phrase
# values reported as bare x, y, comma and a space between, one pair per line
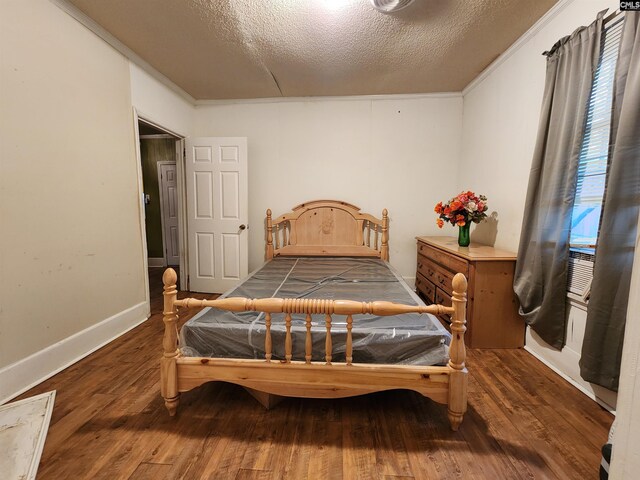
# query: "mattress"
401, 339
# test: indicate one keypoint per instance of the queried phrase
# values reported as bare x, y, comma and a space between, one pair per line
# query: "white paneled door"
169, 196
217, 210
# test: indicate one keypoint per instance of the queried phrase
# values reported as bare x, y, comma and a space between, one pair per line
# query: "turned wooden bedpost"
457, 353
168, 366
384, 248
269, 235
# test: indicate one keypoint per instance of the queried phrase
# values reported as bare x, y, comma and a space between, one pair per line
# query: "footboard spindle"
308, 343
287, 339
267, 337
349, 347
375, 230
328, 346
368, 235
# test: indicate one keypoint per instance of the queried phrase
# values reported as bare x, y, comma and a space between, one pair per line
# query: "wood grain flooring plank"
391, 457
545, 412
66, 426
275, 432
297, 462
326, 460
151, 471
248, 474
358, 447
231, 436
562, 392
496, 422
422, 461
496, 463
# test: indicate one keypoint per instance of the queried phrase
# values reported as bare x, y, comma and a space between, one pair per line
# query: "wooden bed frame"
318, 228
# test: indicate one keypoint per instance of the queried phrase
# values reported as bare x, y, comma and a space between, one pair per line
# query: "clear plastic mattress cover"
400, 339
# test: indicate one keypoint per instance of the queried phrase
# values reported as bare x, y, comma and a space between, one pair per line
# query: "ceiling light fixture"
334, 5
390, 6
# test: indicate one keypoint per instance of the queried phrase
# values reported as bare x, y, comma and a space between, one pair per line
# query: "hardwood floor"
109, 421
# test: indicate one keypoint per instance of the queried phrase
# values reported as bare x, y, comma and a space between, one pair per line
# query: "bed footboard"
309, 378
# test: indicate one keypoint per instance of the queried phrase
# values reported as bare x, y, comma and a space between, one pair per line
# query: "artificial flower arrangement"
461, 210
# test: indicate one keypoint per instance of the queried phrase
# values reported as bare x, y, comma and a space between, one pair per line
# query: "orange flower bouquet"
461, 210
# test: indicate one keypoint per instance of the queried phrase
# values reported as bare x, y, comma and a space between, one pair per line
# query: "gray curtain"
607, 310
541, 271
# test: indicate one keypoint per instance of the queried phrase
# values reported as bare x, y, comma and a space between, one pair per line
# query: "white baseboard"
580, 387
34, 369
156, 262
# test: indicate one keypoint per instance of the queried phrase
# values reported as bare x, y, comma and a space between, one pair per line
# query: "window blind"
596, 145
596, 148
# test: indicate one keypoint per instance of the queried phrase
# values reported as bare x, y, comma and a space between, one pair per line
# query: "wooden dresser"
492, 309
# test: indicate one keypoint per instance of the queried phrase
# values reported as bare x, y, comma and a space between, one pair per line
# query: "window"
593, 162
594, 154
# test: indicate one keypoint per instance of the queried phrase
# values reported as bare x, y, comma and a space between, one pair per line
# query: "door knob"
243, 227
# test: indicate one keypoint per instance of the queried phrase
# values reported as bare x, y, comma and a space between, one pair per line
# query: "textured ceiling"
232, 49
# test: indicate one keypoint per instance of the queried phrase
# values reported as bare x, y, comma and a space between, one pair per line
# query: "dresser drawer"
426, 268
436, 274
455, 264
442, 298
425, 287
444, 279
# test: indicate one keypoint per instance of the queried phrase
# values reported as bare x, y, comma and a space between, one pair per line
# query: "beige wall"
70, 247
399, 154
157, 103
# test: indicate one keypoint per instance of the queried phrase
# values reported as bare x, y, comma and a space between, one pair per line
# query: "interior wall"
152, 151
157, 103
501, 114
70, 249
400, 154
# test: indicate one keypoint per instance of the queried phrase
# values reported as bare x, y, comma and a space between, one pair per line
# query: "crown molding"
398, 96
89, 23
535, 28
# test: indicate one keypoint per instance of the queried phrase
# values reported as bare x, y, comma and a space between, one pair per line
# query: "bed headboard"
328, 228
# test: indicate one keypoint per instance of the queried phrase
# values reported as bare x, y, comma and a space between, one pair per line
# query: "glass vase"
464, 238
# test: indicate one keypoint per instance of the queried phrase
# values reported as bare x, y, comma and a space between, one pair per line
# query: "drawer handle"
419, 265
430, 272
441, 279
